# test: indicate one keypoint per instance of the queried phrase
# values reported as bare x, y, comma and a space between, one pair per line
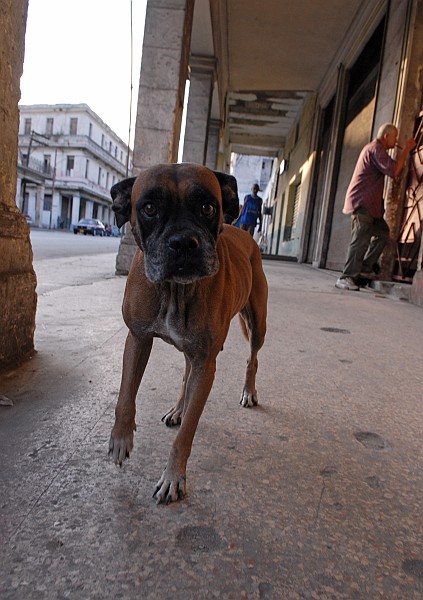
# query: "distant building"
249, 169
68, 161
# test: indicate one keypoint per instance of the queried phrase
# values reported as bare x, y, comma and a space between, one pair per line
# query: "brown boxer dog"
190, 276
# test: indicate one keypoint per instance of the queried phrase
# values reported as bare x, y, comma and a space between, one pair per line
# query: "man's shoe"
346, 283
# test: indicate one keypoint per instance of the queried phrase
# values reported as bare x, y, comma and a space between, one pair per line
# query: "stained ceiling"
270, 55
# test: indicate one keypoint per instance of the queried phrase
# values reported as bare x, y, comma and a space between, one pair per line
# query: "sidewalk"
316, 493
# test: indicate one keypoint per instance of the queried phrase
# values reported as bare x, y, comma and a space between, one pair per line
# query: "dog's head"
176, 213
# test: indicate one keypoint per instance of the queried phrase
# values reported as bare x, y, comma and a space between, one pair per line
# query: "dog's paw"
120, 447
170, 489
248, 399
173, 417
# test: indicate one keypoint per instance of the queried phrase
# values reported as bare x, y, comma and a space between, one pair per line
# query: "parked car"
91, 226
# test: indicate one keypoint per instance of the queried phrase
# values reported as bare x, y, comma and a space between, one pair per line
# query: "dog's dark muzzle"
183, 243
187, 256
184, 254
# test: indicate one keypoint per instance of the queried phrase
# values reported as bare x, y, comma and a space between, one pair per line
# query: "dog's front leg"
174, 415
172, 484
135, 358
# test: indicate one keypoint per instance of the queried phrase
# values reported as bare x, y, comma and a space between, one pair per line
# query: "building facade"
68, 159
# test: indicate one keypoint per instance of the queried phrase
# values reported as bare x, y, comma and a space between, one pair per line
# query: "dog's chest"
174, 321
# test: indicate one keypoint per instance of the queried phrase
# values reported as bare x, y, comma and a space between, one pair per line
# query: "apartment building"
68, 160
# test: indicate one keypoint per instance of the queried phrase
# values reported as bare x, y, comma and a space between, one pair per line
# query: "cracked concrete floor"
316, 493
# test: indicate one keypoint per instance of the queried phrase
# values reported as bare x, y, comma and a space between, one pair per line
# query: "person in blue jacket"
251, 211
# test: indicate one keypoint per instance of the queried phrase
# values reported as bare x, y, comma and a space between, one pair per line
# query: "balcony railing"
36, 165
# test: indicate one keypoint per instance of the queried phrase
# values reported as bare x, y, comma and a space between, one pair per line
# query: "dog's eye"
208, 210
149, 209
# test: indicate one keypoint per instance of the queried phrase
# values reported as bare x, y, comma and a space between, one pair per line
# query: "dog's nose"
184, 242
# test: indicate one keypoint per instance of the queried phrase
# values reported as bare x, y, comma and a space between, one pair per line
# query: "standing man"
251, 211
364, 201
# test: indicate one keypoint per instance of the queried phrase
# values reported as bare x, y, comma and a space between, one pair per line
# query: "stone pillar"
407, 108
202, 74
32, 201
39, 201
55, 205
19, 192
89, 205
76, 202
213, 143
18, 299
164, 70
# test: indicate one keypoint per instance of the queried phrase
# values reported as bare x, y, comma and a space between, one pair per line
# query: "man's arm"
409, 146
241, 209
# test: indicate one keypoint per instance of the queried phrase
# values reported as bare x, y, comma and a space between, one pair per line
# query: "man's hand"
410, 145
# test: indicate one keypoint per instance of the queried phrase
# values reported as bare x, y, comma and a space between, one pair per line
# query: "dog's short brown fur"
190, 276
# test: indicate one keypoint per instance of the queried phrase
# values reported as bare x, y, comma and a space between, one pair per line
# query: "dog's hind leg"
249, 392
174, 415
253, 322
135, 358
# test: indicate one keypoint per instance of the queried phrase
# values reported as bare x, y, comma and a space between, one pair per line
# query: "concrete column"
213, 143
18, 299
76, 202
55, 204
39, 201
32, 199
19, 192
89, 209
202, 73
164, 70
407, 108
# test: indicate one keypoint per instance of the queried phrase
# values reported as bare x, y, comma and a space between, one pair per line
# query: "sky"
79, 51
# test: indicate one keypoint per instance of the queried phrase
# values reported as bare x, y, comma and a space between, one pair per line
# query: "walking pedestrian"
251, 211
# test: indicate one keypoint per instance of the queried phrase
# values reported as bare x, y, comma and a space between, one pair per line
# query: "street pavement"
316, 493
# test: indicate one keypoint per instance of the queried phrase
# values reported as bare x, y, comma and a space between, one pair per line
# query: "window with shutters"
70, 165
73, 129
292, 211
49, 126
295, 209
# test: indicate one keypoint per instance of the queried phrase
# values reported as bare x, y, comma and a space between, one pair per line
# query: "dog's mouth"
180, 256
181, 265
184, 269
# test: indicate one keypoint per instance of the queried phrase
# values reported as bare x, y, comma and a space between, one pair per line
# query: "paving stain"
199, 539
371, 440
413, 567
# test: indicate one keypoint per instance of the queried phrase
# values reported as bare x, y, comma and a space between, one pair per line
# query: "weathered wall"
18, 299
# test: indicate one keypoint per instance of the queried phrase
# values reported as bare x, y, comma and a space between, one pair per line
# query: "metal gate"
410, 235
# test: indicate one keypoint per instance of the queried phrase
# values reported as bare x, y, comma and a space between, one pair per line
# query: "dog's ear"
229, 187
121, 196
